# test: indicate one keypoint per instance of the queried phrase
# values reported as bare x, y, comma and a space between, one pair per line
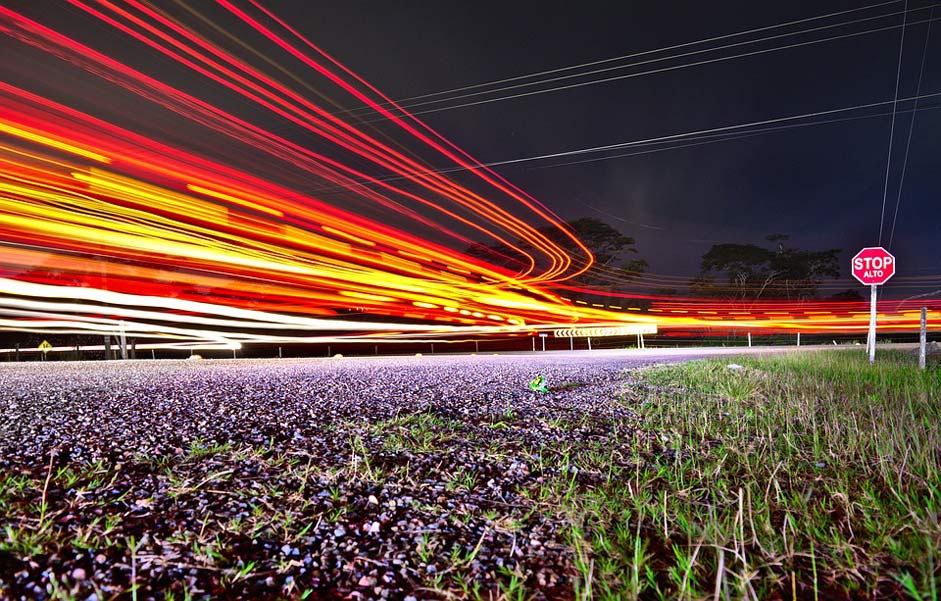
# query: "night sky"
822, 184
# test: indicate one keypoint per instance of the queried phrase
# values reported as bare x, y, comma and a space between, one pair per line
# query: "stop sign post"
873, 266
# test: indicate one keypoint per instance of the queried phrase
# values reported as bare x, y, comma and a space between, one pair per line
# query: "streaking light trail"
190, 220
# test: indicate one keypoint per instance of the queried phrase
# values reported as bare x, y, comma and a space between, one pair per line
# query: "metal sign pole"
872, 324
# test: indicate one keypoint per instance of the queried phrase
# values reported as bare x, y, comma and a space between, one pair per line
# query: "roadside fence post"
923, 338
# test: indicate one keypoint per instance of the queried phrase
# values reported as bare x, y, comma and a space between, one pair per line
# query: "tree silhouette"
747, 271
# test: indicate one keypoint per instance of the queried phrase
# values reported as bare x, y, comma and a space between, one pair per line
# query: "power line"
365, 110
729, 130
714, 138
888, 162
637, 54
648, 72
911, 126
700, 132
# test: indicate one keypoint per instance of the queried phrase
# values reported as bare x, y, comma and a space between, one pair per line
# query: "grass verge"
800, 476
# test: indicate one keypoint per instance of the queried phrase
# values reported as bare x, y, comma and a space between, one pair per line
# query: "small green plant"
513, 585
425, 548
462, 479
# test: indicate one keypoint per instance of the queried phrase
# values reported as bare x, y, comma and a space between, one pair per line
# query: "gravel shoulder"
381, 478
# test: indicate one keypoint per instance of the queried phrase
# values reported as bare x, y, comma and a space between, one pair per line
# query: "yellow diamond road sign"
44, 346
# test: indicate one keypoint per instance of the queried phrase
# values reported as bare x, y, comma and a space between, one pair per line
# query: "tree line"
772, 270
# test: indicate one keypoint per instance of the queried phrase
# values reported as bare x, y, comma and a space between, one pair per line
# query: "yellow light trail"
163, 224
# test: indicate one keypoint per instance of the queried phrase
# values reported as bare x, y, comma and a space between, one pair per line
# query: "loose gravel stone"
334, 477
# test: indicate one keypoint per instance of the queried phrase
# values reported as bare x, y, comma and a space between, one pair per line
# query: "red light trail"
221, 243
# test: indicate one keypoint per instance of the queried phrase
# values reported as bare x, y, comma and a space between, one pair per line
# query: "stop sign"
873, 266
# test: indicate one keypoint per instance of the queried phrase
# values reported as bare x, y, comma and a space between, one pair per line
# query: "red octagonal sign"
873, 266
